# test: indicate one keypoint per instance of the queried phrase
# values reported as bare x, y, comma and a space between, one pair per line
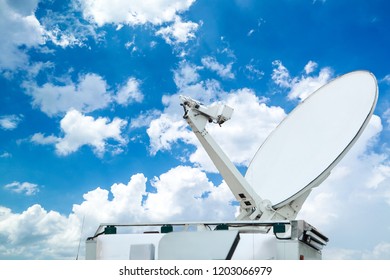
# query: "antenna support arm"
197, 116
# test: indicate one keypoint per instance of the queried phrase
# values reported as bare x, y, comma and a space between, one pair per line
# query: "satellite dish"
300, 153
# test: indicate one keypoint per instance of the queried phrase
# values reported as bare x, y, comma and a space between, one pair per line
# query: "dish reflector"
300, 153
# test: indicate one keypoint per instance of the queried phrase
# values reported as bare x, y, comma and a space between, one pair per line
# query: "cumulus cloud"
178, 32
80, 130
10, 122
187, 185
167, 130
125, 205
186, 74
129, 93
40, 234
20, 27
163, 14
224, 71
280, 74
90, 93
300, 87
25, 187
133, 12
310, 67
41, 139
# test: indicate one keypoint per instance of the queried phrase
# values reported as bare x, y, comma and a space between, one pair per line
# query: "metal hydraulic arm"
252, 206
197, 116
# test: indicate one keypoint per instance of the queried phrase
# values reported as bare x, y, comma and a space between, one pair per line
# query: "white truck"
295, 158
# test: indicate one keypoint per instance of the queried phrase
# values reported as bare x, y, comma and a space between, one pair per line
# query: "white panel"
142, 252
198, 245
117, 246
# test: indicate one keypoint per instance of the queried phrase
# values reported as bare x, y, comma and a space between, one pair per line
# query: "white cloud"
117, 12
304, 86
380, 252
20, 27
179, 194
126, 203
167, 130
41, 139
5, 155
59, 38
131, 45
80, 130
129, 93
90, 93
39, 234
250, 32
178, 32
19, 24
144, 119
22, 7
300, 87
25, 187
37, 67
386, 79
280, 74
10, 122
188, 82
222, 70
186, 74
310, 67
154, 12
66, 29
252, 72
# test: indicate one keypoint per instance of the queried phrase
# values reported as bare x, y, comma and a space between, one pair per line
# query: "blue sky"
91, 128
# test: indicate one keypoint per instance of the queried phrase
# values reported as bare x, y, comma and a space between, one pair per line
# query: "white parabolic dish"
300, 153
